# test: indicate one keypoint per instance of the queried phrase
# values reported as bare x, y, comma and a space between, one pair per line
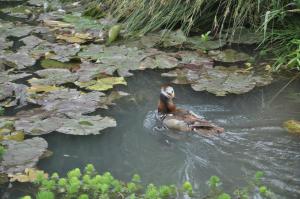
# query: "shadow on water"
253, 141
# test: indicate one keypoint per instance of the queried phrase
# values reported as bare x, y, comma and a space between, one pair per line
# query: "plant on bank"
89, 184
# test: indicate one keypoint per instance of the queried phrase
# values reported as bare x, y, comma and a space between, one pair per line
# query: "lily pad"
19, 11
8, 76
53, 76
102, 84
228, 55
220, 80
31, 42
126, 59
86, 125
34, 89
16, 94
18, 60
4, 44
22, 155
51, 64
89, 71
76, 38
293, 126
173, 38
8, 29
82, 23
197, 43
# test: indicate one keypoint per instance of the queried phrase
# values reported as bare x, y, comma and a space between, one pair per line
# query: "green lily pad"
22, 155
82, 23
53, 76
19, 11
8, 76
12, 94
197, 43
292, 126
18, 60
220, 80
173, 38
52, 64
228, 55
4, 44
125, 59
9, 29
78, 126
89, 71
102, 84
30, 42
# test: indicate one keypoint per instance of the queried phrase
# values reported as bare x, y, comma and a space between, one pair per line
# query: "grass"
278, 20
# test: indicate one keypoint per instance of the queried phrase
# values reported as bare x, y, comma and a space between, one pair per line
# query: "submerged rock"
22, 155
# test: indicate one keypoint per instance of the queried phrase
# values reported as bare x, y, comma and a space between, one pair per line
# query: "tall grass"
278, 20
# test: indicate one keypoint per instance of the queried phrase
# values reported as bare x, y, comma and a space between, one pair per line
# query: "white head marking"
168, 92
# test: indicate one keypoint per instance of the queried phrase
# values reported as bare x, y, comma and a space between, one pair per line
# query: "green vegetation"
2, 110
89, 185
279, 21
2, 151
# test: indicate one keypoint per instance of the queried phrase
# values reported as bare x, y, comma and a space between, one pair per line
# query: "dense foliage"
89, 184
277, 20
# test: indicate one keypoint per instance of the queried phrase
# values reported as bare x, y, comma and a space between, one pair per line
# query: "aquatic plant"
2, 151
1, 111
89, 184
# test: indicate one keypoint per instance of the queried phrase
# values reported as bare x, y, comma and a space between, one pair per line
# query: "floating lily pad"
197, 43
8, 29
53, 76
38, 123
76, 38
51, 64
29, 175
86, 125
42, 88
89, 71
173, 38
31, 42
18, 60
293, 126
8, 76
4, 44
12, 94
19, 11
82, 23
102, 84
151, 39
22, 155
220, 80
228, 55
126, 59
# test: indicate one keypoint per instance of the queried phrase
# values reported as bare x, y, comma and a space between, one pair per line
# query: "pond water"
253, 140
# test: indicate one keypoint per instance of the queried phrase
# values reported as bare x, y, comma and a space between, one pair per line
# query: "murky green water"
253, 141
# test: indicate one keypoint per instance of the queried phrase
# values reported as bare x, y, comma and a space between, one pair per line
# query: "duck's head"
167, 91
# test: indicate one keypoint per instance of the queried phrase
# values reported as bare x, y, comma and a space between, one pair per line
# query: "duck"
180, 119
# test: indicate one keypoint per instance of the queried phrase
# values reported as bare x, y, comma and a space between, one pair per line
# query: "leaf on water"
49, 63
102, 84
220, 80
113, 33
57, 24
173, 38
22, 155
228, 55
42, 88
53, 76
197, 43
292, 126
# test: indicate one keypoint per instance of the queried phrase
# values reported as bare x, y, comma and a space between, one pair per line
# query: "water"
254, 140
